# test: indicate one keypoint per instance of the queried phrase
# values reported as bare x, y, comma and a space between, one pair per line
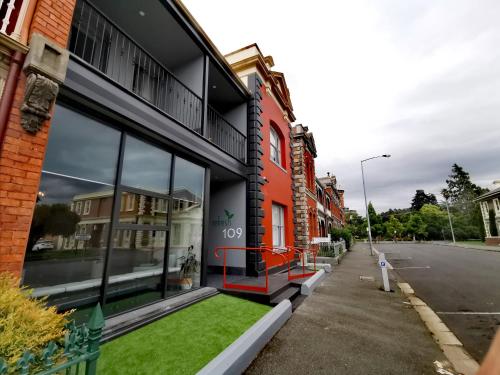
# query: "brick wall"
21, 154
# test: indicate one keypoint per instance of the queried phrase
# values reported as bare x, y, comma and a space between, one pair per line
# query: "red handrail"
262, 250
302, 251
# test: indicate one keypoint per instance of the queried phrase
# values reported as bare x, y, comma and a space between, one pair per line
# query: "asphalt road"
457, 284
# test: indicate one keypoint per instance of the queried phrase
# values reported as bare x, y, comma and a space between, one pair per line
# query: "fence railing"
331, 249
98, 41
225, 135
303, 262
80, 352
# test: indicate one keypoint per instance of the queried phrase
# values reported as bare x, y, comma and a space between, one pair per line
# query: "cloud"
416, 79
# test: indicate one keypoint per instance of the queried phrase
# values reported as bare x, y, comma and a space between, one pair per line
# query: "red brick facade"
21, 154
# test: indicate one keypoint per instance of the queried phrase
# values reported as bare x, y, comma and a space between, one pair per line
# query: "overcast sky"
417, 79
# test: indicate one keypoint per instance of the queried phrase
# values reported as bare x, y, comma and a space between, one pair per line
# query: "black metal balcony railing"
102, 44
96, 40
223, 134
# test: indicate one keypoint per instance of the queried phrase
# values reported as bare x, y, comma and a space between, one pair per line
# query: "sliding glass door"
140, 227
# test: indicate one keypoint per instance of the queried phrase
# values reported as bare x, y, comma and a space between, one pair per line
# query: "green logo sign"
223, 221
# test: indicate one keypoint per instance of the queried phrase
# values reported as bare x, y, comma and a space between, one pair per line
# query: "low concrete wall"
239, 355
311, 283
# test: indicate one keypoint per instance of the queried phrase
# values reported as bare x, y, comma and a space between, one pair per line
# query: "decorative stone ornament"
45, 68
39, 96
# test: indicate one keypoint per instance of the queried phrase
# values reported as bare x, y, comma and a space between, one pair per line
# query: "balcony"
165, 68
12, 13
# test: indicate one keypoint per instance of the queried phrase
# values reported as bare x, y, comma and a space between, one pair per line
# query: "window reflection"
136, 269
71, 221
184, 261
146, 167
142, 209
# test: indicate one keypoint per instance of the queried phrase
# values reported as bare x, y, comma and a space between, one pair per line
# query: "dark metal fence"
80, 352
95, 39
227, 137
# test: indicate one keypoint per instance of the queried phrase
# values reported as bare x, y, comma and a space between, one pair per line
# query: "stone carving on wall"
40, 94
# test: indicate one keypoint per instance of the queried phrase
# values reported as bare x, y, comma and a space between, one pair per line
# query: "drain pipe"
16, 62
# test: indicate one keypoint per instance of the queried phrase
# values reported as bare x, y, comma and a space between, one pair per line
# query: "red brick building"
22, 151
274, 147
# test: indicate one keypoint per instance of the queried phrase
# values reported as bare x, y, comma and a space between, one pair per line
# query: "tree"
493, 224
56, 219
416, 227
461, 192
374, 217
356, 224
393, 227
435, 219
421, 198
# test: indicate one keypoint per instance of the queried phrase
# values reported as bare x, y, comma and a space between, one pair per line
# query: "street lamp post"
449, 218
366, 202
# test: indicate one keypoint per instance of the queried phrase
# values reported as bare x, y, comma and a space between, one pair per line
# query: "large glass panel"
146, 167
69, 231
136, 261
136, 269
184, 259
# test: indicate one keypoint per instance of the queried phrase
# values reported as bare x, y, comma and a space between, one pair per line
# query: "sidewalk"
349, 326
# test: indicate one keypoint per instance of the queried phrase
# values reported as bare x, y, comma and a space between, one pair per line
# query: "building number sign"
232, 232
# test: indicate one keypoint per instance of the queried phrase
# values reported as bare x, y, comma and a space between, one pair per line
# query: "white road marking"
467, 313
406, 268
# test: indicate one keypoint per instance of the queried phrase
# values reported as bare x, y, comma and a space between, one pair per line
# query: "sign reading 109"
228, 231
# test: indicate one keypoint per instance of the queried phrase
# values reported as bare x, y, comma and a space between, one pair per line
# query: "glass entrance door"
140, 227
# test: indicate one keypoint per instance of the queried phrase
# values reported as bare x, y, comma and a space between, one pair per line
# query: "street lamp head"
386, 156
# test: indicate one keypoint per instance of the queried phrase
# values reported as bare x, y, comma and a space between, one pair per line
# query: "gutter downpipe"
16, 61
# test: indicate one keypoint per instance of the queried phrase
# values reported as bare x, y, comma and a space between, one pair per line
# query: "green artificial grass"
183, 342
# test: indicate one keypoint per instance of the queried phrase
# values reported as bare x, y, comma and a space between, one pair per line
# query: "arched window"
275, 141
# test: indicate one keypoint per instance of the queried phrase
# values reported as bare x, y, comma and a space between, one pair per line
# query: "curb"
466, 247
236, 358
308, 286
320, 266
451, 346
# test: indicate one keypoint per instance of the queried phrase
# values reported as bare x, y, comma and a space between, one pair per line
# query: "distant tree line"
426, 218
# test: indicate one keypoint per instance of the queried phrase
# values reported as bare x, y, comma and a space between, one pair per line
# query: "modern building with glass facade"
142, 168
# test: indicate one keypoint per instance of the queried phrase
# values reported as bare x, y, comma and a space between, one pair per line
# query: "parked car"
43, 245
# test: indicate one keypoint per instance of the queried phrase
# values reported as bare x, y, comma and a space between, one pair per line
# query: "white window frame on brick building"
275, 143
278, 222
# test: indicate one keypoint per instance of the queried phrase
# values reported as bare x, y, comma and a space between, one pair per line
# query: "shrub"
345, 234
26, 323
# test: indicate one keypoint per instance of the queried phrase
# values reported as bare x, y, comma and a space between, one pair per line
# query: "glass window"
275, 147
184, 262
145, 166
136, 269
278, 217
69, 231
